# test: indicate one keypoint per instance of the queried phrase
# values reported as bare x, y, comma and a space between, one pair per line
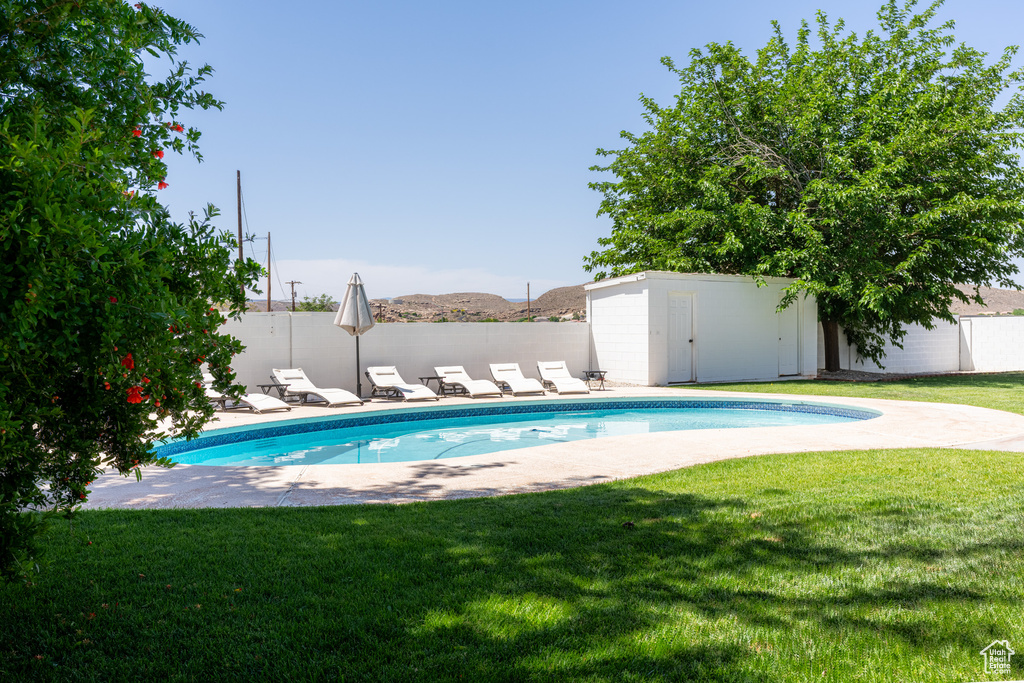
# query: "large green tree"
106, 315
878, 171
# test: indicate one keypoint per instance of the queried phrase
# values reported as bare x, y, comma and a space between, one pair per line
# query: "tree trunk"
830, 328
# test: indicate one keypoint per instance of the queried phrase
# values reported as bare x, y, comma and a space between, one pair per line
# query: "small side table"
425, 381
281, 392
267, 387
594, 376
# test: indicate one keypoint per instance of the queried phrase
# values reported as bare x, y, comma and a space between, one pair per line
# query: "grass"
1003, 391
859, 566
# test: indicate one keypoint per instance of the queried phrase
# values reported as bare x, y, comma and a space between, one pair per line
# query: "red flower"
82, 496
199, 385
113, 299
137, 133
178, 128
162, 185
146, 380
128, 362
159, 154
138, 5
106, 385
135, 394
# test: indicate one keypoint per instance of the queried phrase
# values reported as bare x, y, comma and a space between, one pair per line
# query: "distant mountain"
996, 301
562, 303
565, 302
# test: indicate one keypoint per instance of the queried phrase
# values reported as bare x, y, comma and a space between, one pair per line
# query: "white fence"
328, 354
979, 343
992, 344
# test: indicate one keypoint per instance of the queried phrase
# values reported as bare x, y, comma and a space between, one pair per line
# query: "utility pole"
268, 272
529, 317
241, 256
293, 283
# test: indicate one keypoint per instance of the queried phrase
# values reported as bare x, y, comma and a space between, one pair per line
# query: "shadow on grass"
598, 584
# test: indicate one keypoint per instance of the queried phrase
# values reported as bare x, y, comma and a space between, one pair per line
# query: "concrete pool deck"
903, 424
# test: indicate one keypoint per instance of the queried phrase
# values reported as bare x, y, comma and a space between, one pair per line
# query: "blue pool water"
432, 434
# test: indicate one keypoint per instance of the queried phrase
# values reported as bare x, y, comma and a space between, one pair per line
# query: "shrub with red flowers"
81, 230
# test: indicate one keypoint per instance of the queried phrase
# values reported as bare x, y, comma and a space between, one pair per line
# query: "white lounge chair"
388, 383
509, 375
555, 373
257, 403
293, 382
456, 376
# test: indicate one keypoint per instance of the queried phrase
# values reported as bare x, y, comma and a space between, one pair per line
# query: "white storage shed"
656, 328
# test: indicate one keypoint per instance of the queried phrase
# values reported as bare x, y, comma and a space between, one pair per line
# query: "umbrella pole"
359, 385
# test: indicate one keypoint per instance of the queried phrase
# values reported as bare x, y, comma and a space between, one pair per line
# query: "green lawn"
1003, 391
859, 566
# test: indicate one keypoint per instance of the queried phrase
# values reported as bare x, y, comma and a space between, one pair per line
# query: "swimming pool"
432, 433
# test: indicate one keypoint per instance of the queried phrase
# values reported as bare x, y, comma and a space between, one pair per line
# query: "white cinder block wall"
936, 350
620, 333
327, 353
735, 333
992, 344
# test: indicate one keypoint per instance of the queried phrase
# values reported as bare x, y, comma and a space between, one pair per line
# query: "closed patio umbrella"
355, 317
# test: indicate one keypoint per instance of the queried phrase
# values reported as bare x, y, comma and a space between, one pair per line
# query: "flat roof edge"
670, 275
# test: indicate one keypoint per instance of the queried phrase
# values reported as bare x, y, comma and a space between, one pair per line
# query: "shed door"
789, 333
680, 337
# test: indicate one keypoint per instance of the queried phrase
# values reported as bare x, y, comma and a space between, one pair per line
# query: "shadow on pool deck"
421, 481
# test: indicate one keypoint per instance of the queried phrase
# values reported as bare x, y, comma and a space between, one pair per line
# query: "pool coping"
901, 424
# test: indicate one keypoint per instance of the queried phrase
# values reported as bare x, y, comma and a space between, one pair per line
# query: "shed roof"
670, 275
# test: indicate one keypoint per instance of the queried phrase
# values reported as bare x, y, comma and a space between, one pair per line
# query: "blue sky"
440, 147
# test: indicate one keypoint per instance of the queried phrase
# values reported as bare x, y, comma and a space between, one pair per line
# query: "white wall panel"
619, 326
936, 350
327, 354
992, 343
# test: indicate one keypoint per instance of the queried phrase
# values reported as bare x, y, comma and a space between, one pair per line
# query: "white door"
789, 334
680, 337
